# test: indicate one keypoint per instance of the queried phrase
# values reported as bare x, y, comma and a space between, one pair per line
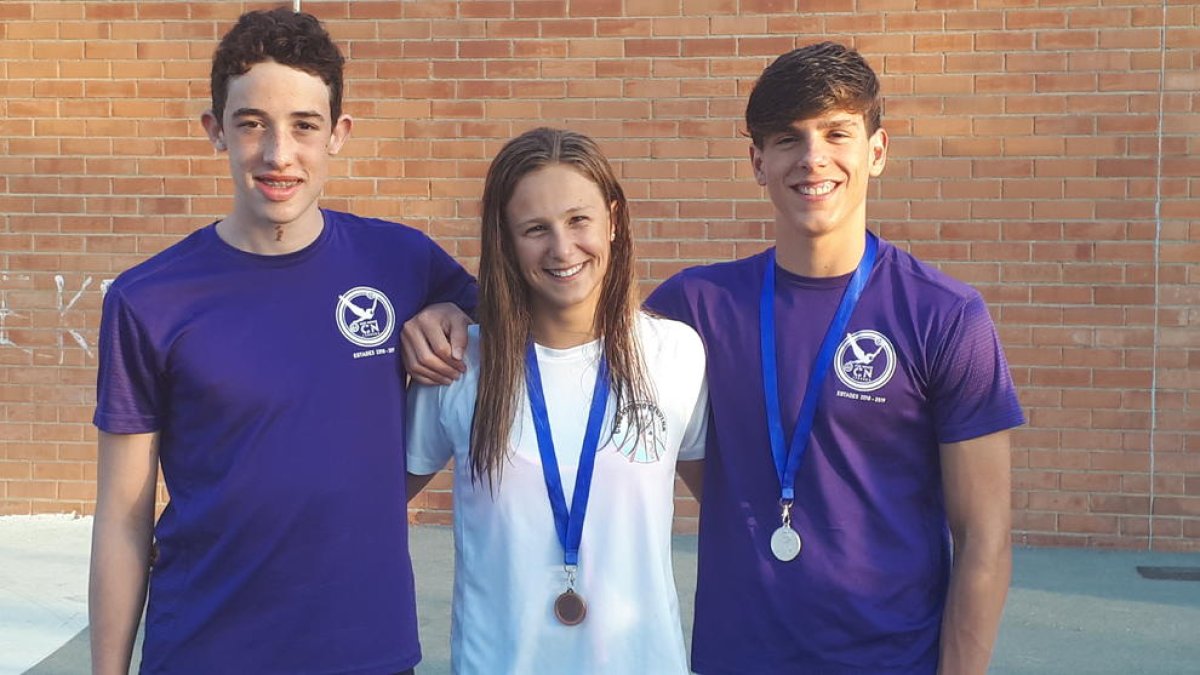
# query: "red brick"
1041, 190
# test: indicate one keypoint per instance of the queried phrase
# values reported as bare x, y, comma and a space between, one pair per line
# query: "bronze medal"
569, 608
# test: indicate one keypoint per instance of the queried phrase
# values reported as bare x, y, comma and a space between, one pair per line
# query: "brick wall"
1043, 150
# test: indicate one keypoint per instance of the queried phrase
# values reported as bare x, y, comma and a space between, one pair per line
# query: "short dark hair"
811, 81
293, 39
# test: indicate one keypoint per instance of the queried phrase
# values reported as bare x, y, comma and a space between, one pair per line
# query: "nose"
560, 243
813, 155
279, 149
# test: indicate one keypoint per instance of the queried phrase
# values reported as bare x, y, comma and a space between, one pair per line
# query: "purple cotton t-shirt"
920, 365
276, 386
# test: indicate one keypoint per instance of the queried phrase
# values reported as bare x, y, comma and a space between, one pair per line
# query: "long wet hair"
505, 303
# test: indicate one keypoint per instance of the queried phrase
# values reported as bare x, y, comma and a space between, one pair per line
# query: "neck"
267, 238
830, 254
563, 329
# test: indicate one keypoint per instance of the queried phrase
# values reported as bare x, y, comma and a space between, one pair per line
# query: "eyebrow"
570, 211
831, 124
299, 114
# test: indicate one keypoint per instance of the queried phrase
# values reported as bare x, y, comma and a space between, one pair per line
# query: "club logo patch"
365, 316
865, 360
651, 444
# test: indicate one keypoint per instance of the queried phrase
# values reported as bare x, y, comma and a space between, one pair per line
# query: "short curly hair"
812, 81
293, 39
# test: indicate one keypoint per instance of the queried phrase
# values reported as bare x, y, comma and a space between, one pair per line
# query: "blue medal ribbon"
569, 525
787, 457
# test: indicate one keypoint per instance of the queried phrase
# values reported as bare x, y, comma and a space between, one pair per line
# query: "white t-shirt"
508, 560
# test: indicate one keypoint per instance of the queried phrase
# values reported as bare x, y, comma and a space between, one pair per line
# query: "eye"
580, 219
307, 126
249, 124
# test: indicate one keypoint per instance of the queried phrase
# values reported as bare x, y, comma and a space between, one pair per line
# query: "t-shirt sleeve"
129, 387
428, 445
696, 431
694, 435
449, 282
972, 391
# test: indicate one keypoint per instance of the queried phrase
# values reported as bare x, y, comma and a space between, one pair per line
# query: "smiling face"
279, 136
816, 174
561, 231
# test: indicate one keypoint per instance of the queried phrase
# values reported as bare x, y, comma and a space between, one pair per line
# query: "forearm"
117, 589
974, 605
126, 478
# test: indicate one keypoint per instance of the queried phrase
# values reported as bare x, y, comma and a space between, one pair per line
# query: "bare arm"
415, 483
692, 473
977, 482
433, 343
122, 532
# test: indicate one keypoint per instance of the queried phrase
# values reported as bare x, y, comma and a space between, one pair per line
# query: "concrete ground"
1069, 611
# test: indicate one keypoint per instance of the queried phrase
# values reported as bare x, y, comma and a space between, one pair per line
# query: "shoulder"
376, 228
174, 262
684, 294
917, 281
719, 276
456, 397
663, 337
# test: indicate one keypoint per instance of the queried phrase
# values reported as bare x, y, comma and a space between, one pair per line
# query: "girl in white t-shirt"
570, 392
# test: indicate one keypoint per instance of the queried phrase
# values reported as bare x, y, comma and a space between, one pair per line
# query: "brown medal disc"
569, 608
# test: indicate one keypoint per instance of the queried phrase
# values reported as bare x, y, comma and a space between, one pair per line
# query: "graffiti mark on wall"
69, 333
5, 340
63, 308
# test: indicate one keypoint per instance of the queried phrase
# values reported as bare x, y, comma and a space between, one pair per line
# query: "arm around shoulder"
127, 475
433, 342
976, 479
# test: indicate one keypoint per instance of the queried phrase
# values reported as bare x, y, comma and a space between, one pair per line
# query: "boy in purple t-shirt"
875, 539
257, 361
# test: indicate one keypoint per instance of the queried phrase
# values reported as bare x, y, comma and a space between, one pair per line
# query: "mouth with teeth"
815, 189
277, 188
564, 272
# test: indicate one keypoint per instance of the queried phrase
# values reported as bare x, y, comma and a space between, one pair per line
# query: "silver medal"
785, 543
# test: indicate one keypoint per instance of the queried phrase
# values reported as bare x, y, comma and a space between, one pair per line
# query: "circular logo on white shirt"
865, 360
648, 446
365, 316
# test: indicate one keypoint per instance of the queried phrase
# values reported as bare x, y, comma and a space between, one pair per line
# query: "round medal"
569, 608
785, 543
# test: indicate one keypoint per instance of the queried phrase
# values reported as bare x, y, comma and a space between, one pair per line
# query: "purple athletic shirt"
920, 365
277, 388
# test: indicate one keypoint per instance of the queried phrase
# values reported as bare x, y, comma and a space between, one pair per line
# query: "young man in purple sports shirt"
884, 545
257, 360
909, 443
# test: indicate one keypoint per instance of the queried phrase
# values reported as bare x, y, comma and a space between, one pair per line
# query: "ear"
878, 144
756, 162
341, 132
212, 127
612, 221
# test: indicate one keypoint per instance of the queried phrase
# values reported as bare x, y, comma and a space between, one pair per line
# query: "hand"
433, 343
